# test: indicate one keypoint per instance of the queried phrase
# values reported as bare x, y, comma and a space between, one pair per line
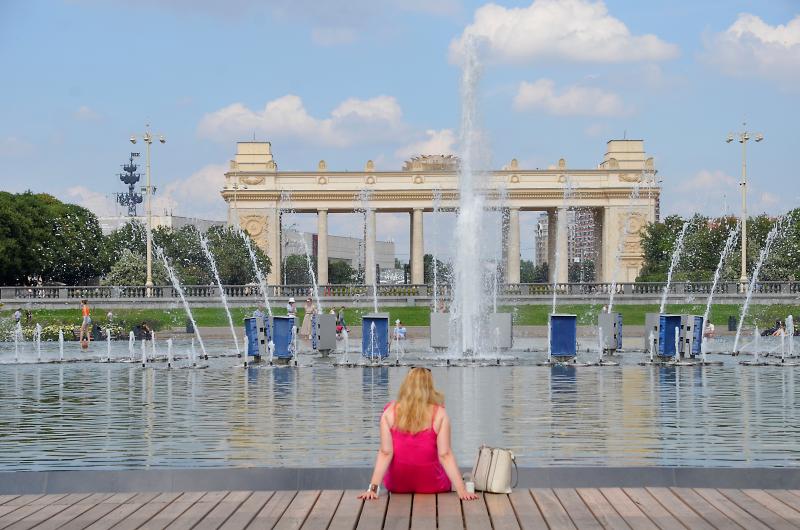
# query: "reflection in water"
73, 416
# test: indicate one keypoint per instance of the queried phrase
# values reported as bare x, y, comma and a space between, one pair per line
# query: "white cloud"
751, 47
13, 146
84, 113
354, 120
706, 179
572, 101
333, 36
573, 30
197, 195
441, 142
102, 205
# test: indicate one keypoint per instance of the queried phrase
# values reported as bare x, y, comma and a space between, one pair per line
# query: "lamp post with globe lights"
743, 138
147, 138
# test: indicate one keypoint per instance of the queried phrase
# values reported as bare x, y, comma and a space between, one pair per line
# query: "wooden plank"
348, 512
36, 515
196, 511
787, 498
528, 514
23, 500
6, 498
551, 508
373, 512
448, 507
773, 504
500, 511
322, 513
649, 505
119, 498
704, 509
71, 512
680, 510
37, 510
271, 513
476, 514
630, 513
117, 514
601, 508
90, 516
398, 512
247, 510
423, 512
175, 509
717, 500
296, 513
147, 511
216, 517
576, 508
757, 510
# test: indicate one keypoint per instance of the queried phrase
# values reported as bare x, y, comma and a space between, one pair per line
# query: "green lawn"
763, 315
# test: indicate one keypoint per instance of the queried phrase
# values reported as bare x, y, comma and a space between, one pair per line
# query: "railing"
356, 291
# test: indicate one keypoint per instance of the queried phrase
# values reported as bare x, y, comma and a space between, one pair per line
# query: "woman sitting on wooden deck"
415, 454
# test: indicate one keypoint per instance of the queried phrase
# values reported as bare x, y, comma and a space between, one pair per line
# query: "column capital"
322, 209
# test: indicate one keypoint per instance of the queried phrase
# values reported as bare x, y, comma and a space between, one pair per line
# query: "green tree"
131, 236
540, 274
340, 272
17, 239
131, 269
526, 271
233, 262
581, 271
443, 270
295, 270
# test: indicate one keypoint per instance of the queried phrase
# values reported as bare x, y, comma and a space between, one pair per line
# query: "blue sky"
348, 81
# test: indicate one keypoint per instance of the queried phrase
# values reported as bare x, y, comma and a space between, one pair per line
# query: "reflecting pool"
83, 415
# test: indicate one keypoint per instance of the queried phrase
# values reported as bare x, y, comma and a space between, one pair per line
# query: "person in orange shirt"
87, 322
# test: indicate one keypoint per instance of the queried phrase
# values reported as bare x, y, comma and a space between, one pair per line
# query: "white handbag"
492, 470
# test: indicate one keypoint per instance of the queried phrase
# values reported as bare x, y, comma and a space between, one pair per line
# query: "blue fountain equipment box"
375, 345
256, 346
611, 325
691, 335
563, 335
283, 336
667, 324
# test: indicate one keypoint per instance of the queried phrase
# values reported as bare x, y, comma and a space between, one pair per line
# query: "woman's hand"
464, 495
368, 495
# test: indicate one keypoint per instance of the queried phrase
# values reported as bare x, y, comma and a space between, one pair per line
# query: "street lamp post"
744, 137
147, 137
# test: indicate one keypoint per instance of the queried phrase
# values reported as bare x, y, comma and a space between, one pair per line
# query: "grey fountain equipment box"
651, 321
325, 333
440, 331
500, 329
691, 335
610, 325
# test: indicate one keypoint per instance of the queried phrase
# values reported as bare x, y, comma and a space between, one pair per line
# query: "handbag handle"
516, 470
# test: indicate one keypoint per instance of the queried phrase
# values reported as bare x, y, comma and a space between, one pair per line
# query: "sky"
349, 81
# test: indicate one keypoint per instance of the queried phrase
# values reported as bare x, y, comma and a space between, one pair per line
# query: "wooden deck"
636, 508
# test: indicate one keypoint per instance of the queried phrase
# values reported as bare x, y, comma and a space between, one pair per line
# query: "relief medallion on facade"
255, 225
251, 179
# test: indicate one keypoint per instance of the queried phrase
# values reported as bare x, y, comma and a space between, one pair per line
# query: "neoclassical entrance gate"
621, 193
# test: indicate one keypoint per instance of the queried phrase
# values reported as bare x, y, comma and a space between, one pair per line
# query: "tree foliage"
704, 242
444, 271
340, 272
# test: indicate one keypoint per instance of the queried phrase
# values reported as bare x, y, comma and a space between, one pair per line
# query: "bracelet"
374, 488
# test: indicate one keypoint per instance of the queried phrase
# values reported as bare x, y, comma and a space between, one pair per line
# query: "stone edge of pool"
228, 479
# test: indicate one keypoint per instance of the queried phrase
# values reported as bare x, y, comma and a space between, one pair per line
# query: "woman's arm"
448, 459
384, 458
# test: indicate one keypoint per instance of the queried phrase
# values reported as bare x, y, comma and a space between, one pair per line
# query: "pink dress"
415, 466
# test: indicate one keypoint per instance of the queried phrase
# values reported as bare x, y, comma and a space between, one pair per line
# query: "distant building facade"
340, 248
175, 222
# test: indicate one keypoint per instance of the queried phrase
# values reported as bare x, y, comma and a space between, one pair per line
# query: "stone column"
273, 245
552, 229
417, 248
512, 256
322, 246
369, 248
611, 236
563, 258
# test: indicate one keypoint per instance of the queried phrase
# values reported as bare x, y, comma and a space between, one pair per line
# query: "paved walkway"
645, 508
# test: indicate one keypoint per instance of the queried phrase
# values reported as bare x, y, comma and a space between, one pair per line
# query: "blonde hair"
416, 394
